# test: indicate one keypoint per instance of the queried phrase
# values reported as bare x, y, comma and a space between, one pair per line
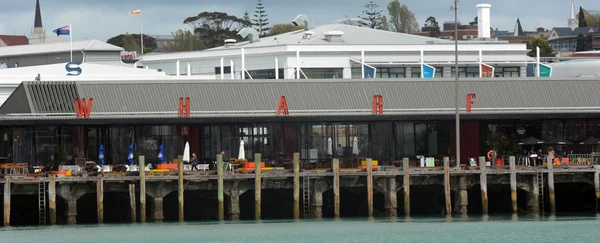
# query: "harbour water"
473, 229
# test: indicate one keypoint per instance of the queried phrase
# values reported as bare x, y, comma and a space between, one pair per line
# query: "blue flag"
101, 155
130, 155
65, 30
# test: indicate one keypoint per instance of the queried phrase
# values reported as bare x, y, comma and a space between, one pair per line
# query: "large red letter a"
282, 106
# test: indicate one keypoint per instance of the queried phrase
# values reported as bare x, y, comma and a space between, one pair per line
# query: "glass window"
421, 139
265, 74
357, 73
22, 147
226, 70
120, 139
415, 72
439, 72
507, 72
322, 73
382, 141
47, 142
466, 72
405, 140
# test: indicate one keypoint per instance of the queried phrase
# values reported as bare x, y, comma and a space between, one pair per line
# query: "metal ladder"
540, 181
306, 196
42, 202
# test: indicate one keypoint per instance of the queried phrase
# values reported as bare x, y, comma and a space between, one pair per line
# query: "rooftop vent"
249, 33
230, 42
302, 20
307, 35
334, 35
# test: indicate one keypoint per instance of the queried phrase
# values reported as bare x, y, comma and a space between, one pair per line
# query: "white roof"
576, 68
87, 45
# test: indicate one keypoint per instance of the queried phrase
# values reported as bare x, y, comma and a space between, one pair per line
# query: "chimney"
483, 20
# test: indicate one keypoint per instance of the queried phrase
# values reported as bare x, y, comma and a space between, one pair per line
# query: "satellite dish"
251, 33
302, 20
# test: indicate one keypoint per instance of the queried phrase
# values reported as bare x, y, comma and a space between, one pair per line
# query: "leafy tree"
247, 19
384, 23
580, 42
593, 20
284, 28
260, 20
372, 18
213, 28
582, 22
545, 48
475, 21
589, 42
432, 26
132, 42
401, 18
185, 40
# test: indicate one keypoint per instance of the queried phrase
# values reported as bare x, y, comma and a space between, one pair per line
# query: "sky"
102, 19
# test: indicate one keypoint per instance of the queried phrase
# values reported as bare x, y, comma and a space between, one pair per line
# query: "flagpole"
142, 34
71, 40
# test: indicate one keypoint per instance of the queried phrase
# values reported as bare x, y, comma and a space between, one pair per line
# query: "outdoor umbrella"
161, 154
242, 153
531, 141
130, 155
101, 155
590, 141
329, 146
558, 141
355, 146
186, 152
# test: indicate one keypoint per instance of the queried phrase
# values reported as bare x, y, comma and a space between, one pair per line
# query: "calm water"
473, 229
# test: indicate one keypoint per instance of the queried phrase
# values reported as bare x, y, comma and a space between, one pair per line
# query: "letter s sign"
73, 68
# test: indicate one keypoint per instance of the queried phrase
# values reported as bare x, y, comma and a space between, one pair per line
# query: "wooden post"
370, 186
220, 195
100, 199
551, 195
483, 184
7, 192
142, 190
297, 186
513, 183
257, 185
52, 198
180, 188
406, 166
597, 187
447, 186
132, 202
336, 188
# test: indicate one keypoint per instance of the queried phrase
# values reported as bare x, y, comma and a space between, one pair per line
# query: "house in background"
13, 40
564, 40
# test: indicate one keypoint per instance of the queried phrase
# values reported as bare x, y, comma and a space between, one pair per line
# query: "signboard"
369, 71
427, 71
128, 55
487, 71
73, 68
545, 71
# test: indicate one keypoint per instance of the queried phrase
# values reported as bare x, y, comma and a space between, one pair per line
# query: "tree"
284, 28
402, 19
580, 42
372, 18
384, 23
213, 28
545, 48
582, 22
185, 40
247, 20
432, 26
589, 42
593, 20
132, 42
474, 22
260, 20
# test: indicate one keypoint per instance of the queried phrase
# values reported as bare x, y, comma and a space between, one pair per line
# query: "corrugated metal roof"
87, 45
259, 98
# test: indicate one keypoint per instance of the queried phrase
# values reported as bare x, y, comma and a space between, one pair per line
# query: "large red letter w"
83, 110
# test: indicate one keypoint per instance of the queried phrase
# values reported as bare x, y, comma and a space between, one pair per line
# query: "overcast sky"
102, 19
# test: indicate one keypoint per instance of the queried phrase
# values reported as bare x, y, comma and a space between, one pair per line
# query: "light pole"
456, 72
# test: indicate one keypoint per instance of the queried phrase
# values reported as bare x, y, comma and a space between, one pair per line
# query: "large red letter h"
83, 110
184, 109
377, 105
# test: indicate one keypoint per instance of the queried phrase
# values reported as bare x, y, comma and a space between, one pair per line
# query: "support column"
296, 185
597, 187
100, 199
317, 204
157, 191
52, 198
180, 188
257, 185
447, 186
71, 193
370, 186
233, 210
551, 195
483, 184
533, 197
406, 166
220, 189
132, 202
336, 188
158, 214
142, 190
513, 183
7, 192
391, 200
71, 213
462, 197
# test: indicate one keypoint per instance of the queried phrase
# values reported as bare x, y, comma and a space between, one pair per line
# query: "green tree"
580, 42
545, 48
401, 18
185, 40
246, 18
372, 18
213, 28
593, 20
432, 26
132, 42
384, 23
474, 22
589, 42
284, 28
260, 20
582, 22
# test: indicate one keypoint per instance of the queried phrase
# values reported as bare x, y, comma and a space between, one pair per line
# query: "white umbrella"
242, 154
186, 152
329, 146
355, 146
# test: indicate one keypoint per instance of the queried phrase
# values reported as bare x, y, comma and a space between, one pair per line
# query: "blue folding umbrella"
101, 154
161, 154
130, 156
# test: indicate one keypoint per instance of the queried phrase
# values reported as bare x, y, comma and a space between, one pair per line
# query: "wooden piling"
597, 187
142, 190
296, 185
180, 188
551, 195
257, 186
406, 167
132, 202
370, 186
447, 186
7, 192
100, 199
483, 184
52, 199
336, 188
513, 183
220, 195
